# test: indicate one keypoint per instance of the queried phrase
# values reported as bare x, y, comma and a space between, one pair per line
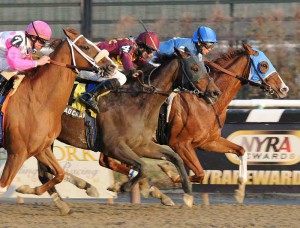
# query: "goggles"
208, 45
40, 40
147, 49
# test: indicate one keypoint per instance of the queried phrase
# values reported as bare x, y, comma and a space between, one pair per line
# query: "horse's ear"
182, 52
71, 33
249, 49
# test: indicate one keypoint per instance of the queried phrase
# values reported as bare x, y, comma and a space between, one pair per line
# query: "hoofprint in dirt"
149, 215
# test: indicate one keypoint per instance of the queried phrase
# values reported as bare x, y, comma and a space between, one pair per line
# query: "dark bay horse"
127, 127
192, 123
32, 117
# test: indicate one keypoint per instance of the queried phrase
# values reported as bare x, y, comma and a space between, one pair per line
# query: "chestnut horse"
192, 123
127, 127
32, 117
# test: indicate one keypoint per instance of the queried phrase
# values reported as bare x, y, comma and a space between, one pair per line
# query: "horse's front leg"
222, 145
15, 159
186, 151
47, 158
123, 153
155, 151
112, 164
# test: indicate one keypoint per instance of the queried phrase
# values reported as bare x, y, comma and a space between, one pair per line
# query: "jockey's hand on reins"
137, 74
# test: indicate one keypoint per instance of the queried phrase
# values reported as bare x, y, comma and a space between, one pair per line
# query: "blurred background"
270, 25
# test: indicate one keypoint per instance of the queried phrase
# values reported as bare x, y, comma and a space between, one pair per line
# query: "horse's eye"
195, 68
86, 48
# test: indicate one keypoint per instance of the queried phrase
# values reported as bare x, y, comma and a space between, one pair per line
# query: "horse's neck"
229, 85
52, 82
163, 80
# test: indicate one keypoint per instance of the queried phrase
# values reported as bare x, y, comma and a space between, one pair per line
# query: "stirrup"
90, 103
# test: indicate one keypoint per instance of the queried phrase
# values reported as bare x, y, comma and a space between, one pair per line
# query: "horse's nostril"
216, 93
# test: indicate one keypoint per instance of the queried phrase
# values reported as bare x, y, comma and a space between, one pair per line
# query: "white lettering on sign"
255, 177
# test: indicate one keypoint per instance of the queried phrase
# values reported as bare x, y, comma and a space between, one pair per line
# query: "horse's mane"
163, 58
230, 54
55, 43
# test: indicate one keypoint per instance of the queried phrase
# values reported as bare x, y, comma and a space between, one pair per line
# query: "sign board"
273, 152
81, 163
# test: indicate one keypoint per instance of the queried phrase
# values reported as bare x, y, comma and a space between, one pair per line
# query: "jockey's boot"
90, 98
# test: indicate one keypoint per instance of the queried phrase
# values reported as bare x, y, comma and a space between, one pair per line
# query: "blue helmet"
205, 34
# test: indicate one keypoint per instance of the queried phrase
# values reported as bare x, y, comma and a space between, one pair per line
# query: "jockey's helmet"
148, 39
39, 29
205, 35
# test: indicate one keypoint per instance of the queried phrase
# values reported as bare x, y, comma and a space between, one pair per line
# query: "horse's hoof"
3, 190
165, 200
239, 196
25, 189
188, 200
126, 187
92, 192
115, 187
145, 193
64, 209
144, 189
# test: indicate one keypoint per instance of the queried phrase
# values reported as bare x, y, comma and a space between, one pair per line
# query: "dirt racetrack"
149, 215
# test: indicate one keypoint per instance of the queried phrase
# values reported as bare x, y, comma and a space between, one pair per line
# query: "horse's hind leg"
13, 163
47, 158
45, 175
166, 153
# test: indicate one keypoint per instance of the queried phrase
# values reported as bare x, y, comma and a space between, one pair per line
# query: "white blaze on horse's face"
263, 69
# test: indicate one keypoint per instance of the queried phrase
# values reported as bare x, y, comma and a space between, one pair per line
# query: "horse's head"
87, 54
196, 76
262, 71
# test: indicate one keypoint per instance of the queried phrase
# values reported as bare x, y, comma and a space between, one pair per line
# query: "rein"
150, 89
263, 85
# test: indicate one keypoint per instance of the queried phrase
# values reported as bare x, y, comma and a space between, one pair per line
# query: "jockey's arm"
16, 62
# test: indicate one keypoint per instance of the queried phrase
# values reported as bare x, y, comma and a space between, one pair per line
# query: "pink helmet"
40, 29
149, 39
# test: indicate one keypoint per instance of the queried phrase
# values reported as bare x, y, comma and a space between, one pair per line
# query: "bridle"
151, 89
263, 82
263, 85
72, 44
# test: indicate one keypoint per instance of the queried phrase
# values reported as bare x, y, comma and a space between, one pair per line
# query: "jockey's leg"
3, 82
113, 83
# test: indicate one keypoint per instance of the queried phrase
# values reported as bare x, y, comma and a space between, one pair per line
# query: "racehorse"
125, 130
192, 123
32, 117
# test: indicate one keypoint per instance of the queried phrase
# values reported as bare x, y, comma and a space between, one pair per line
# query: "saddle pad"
80, 88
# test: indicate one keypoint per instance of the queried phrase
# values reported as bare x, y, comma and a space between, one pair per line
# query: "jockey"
202, 42
126, 52
17, 47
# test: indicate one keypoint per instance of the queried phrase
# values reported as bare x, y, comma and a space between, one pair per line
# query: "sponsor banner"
273, 152
79, 162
